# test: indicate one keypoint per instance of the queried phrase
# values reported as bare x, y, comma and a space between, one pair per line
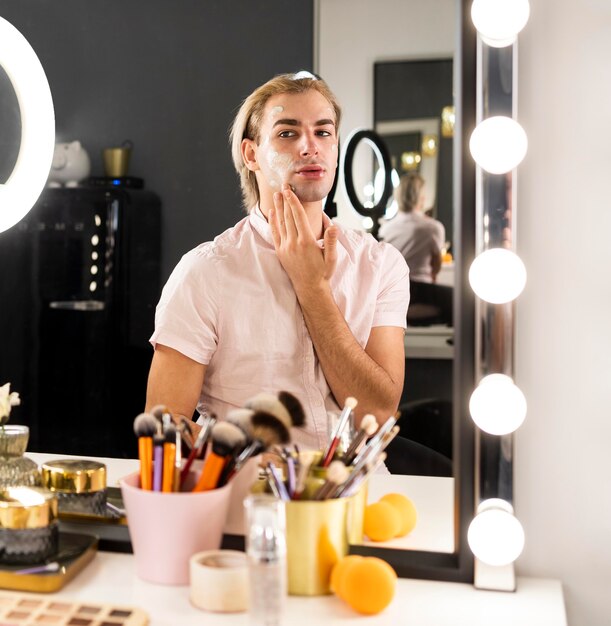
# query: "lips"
311, 171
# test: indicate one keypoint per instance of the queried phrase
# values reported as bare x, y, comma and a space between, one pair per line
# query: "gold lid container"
27, 508
73, 476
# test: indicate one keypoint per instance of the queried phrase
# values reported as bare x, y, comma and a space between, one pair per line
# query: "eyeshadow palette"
25, 610
74, 553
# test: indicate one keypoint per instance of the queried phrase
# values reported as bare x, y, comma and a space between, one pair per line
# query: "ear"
249, 154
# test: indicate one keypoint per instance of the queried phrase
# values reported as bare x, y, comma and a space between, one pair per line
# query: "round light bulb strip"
497, 275
31, 171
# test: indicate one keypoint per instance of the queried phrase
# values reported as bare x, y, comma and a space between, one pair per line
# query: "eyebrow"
293, 122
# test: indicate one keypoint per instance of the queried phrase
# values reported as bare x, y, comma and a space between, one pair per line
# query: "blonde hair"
408, 192
247, 122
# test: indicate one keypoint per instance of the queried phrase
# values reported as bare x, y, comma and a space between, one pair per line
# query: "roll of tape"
219, 581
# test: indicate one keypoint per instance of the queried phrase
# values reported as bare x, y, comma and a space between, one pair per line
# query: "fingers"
276, 220
330, 250
299, 217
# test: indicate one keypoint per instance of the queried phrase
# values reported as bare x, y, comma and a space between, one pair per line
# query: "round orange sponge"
368, 585
338, 572
406, 509
381, 521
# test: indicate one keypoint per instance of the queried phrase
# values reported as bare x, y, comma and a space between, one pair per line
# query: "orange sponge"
367, 583
381, 521
406, 509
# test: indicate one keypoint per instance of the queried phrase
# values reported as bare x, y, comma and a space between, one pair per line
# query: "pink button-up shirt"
229, 304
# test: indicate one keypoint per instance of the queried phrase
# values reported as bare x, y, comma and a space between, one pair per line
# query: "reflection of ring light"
21, 190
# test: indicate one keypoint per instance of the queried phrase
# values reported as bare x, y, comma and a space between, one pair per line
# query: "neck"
313, 211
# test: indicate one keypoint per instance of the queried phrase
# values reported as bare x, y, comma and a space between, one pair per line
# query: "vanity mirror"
186, 158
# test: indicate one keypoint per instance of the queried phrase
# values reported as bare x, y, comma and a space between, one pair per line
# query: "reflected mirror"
117, 77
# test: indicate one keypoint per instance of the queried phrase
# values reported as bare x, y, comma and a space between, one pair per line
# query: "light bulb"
495, 536
367, 223
19, 193
497, 275
498, 144
497, 405
499, 21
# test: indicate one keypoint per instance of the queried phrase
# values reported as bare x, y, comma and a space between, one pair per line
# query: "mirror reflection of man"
284, 300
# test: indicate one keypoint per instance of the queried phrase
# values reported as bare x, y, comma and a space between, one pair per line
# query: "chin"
308, 194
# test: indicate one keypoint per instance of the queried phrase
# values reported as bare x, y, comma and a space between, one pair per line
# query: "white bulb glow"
495, 536
499, 21
497, 405
367, 223
498, 144
497, 275
21, 190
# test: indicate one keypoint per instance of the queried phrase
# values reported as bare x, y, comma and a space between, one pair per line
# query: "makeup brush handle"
330, 452
158, 468
213, 466
145, 454
169, 455
187, 466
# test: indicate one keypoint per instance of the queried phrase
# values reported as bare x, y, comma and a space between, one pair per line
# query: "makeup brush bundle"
225, 445
332, 472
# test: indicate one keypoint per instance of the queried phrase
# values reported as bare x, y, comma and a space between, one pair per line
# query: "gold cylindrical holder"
318, 534
27, 507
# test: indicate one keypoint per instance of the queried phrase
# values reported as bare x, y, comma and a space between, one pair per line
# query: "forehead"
309, 106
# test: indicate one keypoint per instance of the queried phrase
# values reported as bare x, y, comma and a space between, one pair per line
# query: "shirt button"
308, 359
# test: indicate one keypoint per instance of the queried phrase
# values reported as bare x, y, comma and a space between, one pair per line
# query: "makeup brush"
226, 437
158, 441
198, 445
145, 426
177, 462
349, 404
169, 456
293, 406
336, 475
384, 429
367, 428
269, 403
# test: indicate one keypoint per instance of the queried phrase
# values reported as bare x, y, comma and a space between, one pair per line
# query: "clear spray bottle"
266, 551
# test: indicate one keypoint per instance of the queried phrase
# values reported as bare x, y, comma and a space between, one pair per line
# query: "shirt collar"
261, 225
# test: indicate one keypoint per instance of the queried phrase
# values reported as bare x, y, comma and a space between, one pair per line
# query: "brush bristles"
337, 472
350, 402
241, 418
158, 410
294, 407
145, 425
369, 424
170, 434
269, 403
227, 436
269, 429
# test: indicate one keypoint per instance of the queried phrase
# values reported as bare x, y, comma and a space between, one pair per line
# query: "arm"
373, 375
175, 381
439, 237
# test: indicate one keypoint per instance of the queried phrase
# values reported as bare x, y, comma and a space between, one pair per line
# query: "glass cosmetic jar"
28, 525
15, 468
80, 485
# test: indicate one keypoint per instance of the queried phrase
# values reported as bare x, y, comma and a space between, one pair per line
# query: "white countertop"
111, 579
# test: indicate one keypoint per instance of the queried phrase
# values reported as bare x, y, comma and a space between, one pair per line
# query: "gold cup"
116, 160
318, 535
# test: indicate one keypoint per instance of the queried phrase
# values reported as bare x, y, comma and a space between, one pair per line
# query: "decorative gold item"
28, 525
80, 485
410, 160
448, 119
116, 160
429, 145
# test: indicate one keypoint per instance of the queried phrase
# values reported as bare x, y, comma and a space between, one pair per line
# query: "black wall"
167, 75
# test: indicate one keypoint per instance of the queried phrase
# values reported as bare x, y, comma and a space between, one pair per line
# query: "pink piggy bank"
70, 165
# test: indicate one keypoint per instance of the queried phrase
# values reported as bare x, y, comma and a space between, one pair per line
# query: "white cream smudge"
277, 109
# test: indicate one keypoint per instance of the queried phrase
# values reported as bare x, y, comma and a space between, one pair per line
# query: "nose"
309, 145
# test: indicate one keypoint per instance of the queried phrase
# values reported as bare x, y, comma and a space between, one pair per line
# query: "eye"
323, 133
287, 133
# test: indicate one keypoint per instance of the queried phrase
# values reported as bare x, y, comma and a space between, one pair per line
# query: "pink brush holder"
167, 529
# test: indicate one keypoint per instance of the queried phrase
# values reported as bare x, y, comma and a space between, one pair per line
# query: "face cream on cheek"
279, 165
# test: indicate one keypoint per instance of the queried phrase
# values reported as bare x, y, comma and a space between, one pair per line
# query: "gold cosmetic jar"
80, 485
28, 525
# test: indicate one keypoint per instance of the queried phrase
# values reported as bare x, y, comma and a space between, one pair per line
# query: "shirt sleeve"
186, 318
393, 295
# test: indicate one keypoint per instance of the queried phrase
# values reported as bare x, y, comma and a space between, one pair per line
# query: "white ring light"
21, 190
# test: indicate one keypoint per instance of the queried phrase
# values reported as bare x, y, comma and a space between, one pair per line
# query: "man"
284, 300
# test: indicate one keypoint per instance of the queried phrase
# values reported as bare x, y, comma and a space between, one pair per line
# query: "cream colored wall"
353, 34
563, 465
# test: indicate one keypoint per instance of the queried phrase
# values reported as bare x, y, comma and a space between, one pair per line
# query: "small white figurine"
70, 165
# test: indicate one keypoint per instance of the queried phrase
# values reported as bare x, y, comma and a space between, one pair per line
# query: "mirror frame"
459, 565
